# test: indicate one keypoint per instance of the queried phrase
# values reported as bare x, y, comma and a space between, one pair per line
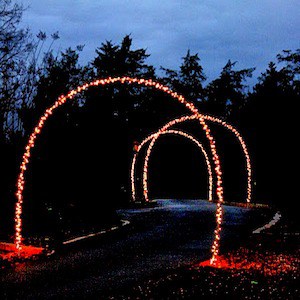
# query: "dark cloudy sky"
251, 32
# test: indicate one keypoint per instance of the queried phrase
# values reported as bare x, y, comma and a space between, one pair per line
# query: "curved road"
174, 234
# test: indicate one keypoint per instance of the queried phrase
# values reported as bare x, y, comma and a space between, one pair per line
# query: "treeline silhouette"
79, 173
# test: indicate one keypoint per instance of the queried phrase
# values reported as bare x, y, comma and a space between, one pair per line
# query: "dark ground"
157, 242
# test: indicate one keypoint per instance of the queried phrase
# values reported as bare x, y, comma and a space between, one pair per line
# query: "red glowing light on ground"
9, 251
225, 263
269, 263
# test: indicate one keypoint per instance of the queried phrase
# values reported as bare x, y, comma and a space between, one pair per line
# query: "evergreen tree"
118, 105
226, 94
270, 121
189, 79
120, 60
291, 61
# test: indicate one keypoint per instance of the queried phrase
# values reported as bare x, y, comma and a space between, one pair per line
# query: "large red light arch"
185, 135
214, 120
102, 82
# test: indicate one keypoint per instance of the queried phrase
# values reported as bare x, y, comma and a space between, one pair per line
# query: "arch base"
9, 251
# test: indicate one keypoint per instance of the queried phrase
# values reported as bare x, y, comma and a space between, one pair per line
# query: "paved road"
174, 234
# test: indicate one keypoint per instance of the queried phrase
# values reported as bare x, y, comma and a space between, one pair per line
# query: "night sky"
251, 32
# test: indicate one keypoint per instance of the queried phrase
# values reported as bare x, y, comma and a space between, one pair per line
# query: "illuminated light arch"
244, 148
187, 136
102, 82
219, 188
225, 125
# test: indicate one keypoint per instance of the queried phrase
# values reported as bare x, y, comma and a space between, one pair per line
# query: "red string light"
237, 135
201, 118
216, 160
102, 82
180, 133
244, 148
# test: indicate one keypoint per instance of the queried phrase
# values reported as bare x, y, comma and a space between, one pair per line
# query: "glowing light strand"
101, 82
215, 247
240, 140
180, 133
218, 171
244, 148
